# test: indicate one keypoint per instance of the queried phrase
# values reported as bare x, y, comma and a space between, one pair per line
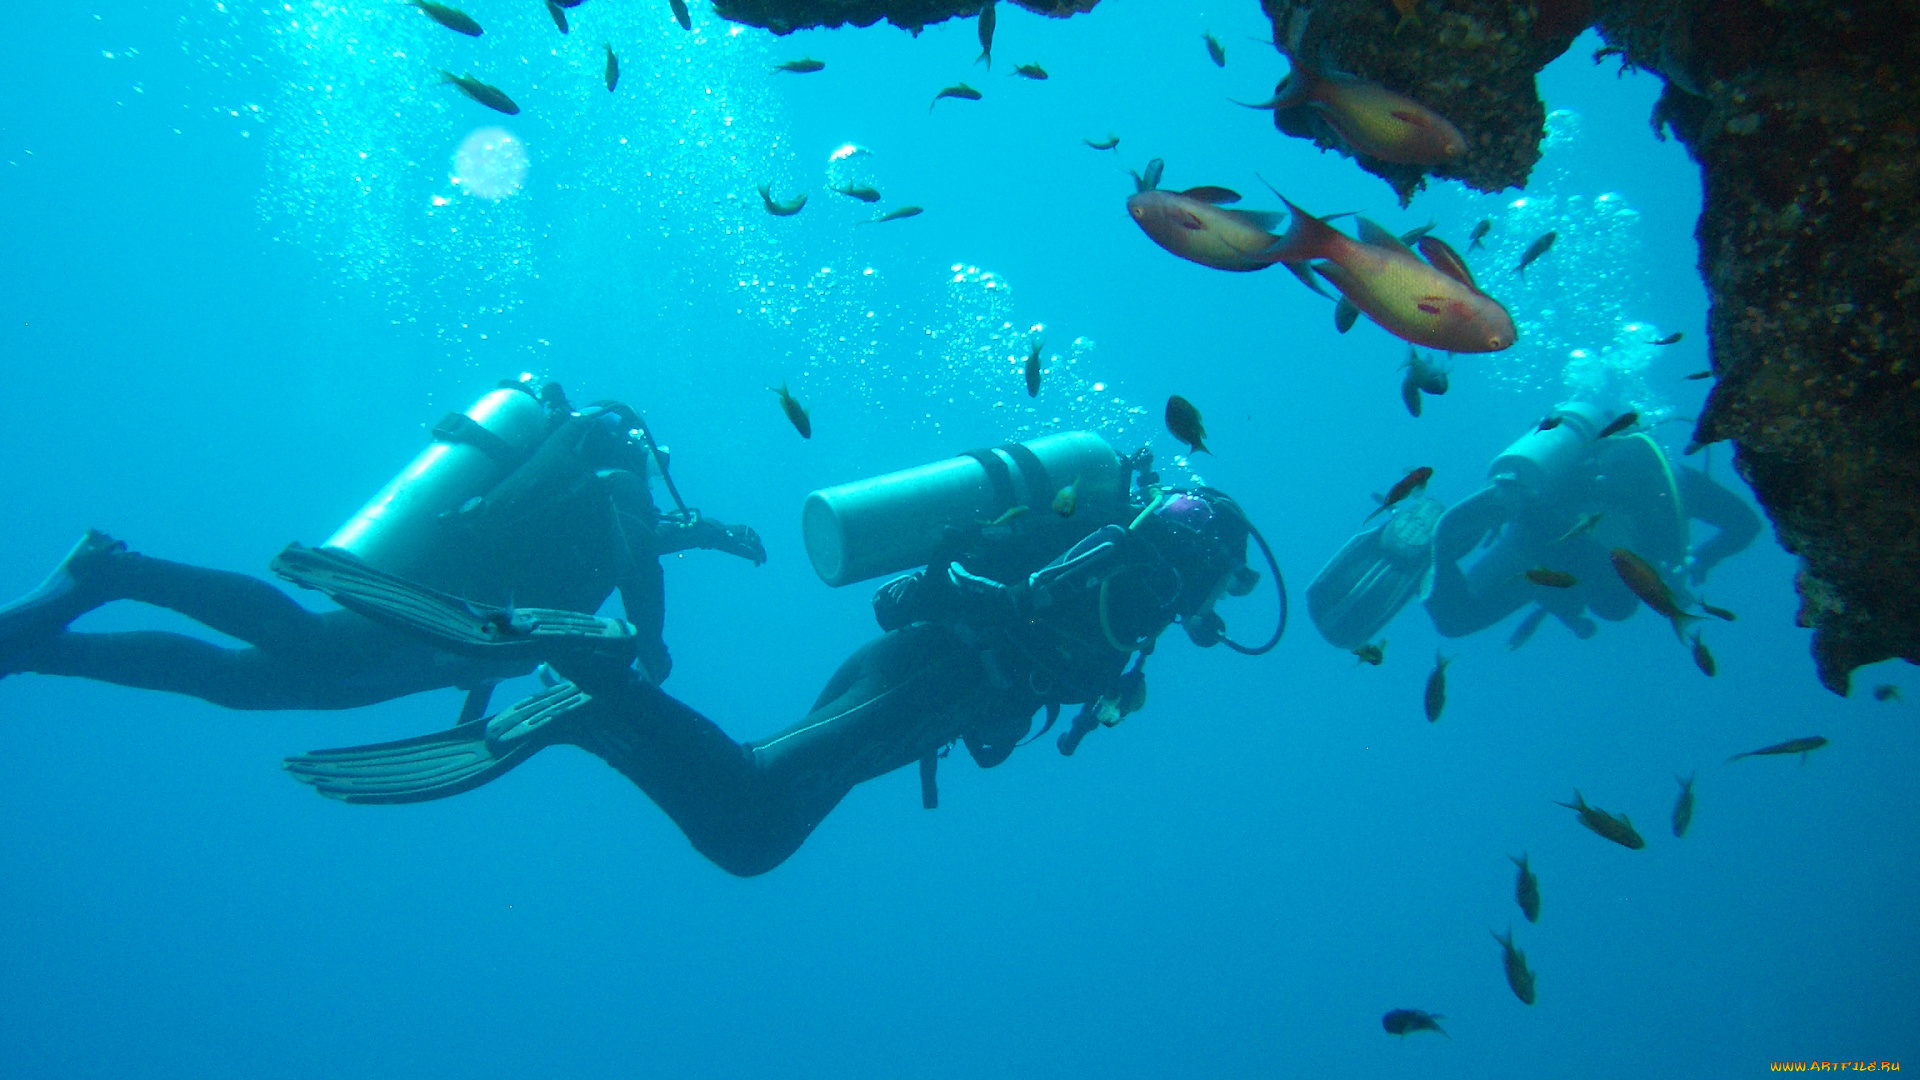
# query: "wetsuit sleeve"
1707, 501
642, 585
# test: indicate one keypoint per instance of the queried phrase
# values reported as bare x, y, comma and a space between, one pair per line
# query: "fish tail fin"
986, 55
1682, 620
448, 78
1307, 237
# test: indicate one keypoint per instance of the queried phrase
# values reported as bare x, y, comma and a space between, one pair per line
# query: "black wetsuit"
564, 530
1463, 602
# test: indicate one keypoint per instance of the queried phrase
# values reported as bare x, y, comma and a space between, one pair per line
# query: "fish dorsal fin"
1443, 258
1212, 194
1371, 233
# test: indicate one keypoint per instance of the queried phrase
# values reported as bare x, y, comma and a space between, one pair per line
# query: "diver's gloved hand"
740, 540
682, 529
1206, 629
984, 599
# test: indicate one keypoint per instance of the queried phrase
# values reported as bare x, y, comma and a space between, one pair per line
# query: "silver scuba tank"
1541, 461
890, 523
471, 452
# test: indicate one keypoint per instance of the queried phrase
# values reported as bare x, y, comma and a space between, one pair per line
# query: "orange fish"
1371, 120
1650, 587
1414, 300
1408, 484
1183, 423
796, 415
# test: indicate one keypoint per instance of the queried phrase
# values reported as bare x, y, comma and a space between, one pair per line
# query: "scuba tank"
471, 452
902, 520
1540, 461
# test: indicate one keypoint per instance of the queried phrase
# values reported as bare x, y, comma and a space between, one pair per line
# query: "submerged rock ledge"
1801, 116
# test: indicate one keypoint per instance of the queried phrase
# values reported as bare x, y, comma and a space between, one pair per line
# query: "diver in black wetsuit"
964, 657
571, 522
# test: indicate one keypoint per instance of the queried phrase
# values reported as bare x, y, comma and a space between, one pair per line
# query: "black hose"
1280, 590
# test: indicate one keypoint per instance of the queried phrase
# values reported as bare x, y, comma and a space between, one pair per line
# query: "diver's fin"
63, 597
570, 640
443, 763
1371, 578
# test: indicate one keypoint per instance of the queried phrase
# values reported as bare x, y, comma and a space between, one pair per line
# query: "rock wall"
786, 16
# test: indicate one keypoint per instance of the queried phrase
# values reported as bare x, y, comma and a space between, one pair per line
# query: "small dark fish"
1519, 976
781, 209
1581, 527
1067, 499
570, 4
1371, 653
806, 65
986, 35
1886, 691
1110, 142
1717, 612
1552, 579
1526, 890
1618, 424
1436, 695
1006, 515
1683, 808
796, 415
681, 15
1534, 251
490, 96
1033, 367
960, 90
1215, 50
1409, 393
1699, 375
613, 69
1403, 487
896, 215
1479, 233
1183, 423
1031, 71
1670, 339
452, 18
1427, 373
1524, 632
1551, 422
1617, 829
1403, 1022
859, 191
1412, 236
1703, 659
1803, 747
559, 16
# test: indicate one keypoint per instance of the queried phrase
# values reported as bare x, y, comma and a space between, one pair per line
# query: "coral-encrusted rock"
786, 16
1472, 61
1802, 116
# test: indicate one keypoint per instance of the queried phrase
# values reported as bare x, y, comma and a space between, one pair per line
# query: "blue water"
222, 327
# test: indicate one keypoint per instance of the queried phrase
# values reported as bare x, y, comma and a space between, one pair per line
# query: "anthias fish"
986, 35
1435, 698
613, 69
1479, 233
1683, 808
1699, 375
1647, 584
796, 415
1427, 373
1372, 653
1519, 976
782, 209
1618, 424
1526, 889
559, 16
897, 215
1215, 51
958, 90
806, 65
1670, 339
1033, 367
859, 191
1409, 391
1107, 143
1412, 299
1581, 527
490, 96
1006, 515
1067, 499
1369, 119
452, 18
1552, 579
1403, 1022
681, 15
1183, 423
1615, 828
1031, 71
1703, 659
1534, 251
1403, 487
1802, 746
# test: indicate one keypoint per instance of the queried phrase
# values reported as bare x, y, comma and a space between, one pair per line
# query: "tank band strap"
1040, 486
461, 428
998, 475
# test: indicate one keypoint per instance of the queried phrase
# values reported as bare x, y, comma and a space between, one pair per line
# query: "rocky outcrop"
786, 16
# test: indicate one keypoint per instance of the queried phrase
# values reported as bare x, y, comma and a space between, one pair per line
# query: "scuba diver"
520, 499
1011, 614
1557, 502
